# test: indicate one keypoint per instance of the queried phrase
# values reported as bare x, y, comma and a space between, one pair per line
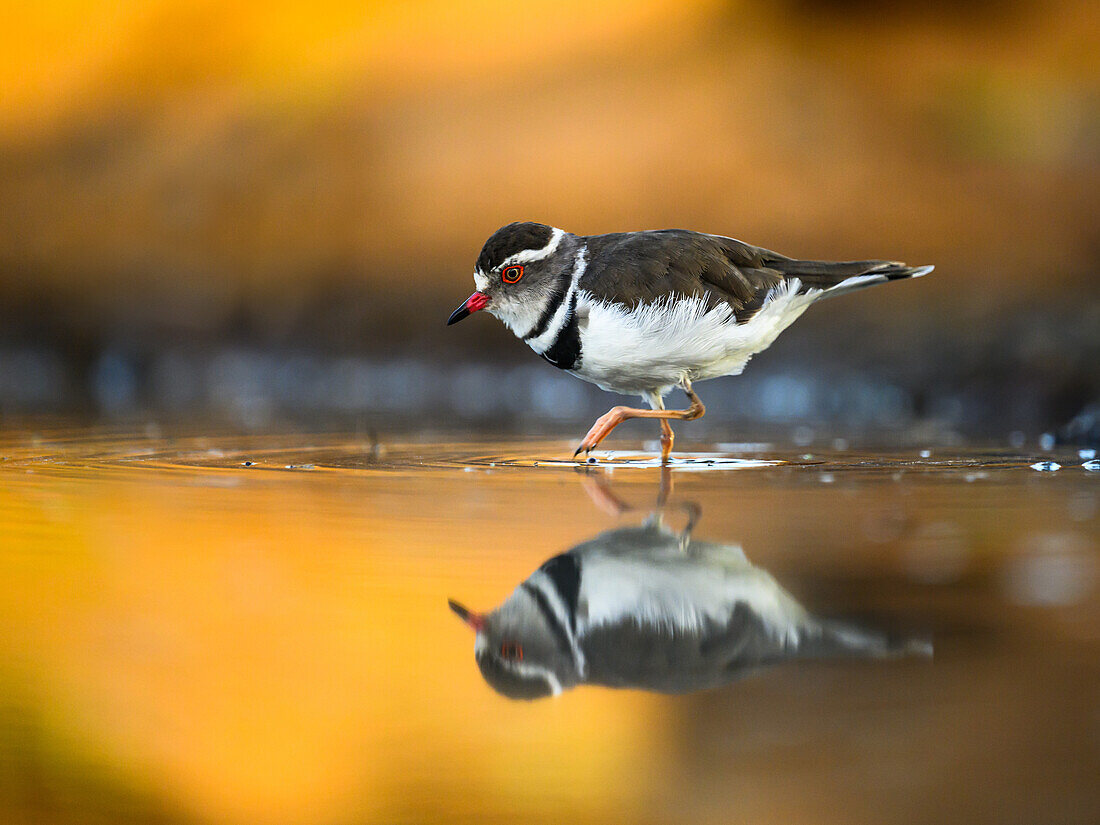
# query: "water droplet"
827, 478
840, 444
1086, 454
1046, 466
1046, 441
925, 453
1017, 439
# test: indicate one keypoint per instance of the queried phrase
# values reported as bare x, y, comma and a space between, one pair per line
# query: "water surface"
241, 629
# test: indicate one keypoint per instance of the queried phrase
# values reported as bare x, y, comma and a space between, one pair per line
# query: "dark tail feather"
838, 640
841, 277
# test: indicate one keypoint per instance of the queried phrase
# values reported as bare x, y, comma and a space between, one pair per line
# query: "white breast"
682, 595
653, 347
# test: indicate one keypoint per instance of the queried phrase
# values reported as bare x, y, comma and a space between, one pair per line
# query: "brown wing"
644, 267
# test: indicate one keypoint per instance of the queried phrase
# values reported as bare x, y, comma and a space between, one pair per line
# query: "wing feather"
647, 267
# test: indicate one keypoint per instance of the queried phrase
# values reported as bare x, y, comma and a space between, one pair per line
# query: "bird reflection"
651, 608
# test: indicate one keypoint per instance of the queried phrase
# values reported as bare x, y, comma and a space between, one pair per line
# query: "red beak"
472, 304
474, 620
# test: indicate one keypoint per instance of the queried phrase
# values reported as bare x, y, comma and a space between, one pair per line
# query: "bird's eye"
512, 274
511, 650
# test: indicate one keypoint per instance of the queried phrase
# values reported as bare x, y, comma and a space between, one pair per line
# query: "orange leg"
667, 437
599, 491
617, 415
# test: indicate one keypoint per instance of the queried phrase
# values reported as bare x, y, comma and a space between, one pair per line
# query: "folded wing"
646, 267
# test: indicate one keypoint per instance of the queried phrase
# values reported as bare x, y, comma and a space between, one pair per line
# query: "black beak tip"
461, 611
458, 315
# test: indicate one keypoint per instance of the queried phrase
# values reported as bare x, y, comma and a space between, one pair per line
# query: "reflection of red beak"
474, 620
472, 304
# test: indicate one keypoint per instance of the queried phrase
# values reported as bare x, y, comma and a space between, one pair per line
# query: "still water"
246, 629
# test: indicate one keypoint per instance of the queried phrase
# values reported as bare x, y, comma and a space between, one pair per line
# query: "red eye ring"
511, 650
512, 274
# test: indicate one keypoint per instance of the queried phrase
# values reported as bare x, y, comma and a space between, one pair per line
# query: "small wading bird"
639, 313
651, 609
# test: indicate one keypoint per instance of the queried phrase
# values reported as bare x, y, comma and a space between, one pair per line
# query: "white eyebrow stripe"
536, 671
555, 685
526, 256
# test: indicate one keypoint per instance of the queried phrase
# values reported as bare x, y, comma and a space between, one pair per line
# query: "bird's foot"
601, 429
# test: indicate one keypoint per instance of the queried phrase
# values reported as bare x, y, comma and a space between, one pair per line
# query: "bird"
647, 608
641, 313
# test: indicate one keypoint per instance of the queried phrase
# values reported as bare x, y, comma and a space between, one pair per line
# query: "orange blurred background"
268, 209
320, 178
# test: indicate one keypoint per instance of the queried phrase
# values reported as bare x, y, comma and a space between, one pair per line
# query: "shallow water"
247, 629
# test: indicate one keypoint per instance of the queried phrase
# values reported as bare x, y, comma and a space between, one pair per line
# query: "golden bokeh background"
175, 167
261, 208
189, 639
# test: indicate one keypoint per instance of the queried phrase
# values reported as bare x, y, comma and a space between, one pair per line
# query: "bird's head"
519, 267
516, 650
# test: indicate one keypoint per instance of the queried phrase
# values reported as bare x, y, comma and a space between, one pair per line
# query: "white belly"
683, 592
652, 348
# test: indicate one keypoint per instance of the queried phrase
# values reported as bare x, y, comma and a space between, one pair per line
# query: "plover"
639, 313
647, 608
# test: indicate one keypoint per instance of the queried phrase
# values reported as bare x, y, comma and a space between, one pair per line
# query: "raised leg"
599, 491
617, 415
